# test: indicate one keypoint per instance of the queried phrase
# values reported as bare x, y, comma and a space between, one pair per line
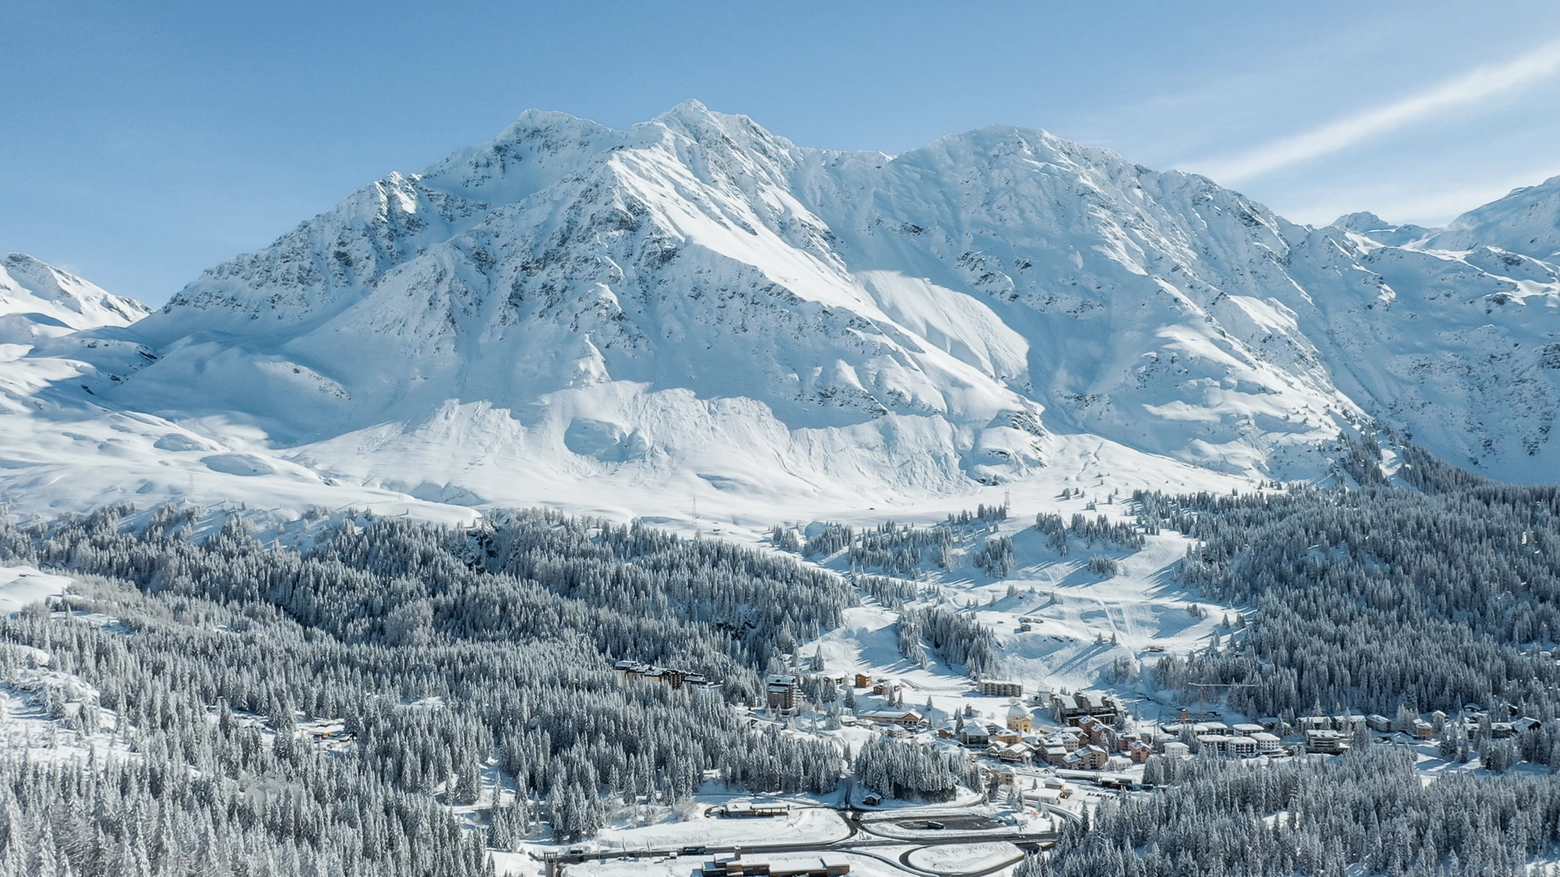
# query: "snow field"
964, 858
23, 585
809, 825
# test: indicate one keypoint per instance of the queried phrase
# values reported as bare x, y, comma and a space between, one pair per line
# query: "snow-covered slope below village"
696, 305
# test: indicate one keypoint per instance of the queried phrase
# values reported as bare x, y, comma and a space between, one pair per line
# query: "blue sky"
141, 145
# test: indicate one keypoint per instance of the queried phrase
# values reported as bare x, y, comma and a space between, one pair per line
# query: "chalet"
1089, 758
1103, 706
1043, 797
1097, 732
1016, 753
1007, 736
1000, 688
885, 687
1139, 751
1054, 754
1069, 708
1177, 749
1315, 723
1525, 724
1423, 729
975, 735
1378, 722
908, 719
863, 680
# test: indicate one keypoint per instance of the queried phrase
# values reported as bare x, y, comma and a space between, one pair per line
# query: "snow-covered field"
882, 863
964, 858
24, 585
810, 825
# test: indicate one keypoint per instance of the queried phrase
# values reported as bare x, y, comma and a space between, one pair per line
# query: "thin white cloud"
1342, 133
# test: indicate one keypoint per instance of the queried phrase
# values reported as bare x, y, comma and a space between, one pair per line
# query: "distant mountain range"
698, 301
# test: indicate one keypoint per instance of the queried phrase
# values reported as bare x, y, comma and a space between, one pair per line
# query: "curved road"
854, 842
847, 845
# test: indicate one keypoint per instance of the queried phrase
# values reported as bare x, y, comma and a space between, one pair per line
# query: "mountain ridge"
697, 297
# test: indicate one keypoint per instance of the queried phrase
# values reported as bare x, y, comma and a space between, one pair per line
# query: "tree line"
468, 665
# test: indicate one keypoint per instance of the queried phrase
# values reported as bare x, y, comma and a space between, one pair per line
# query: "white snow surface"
860, 865
964, 858
38, 300
697, 310
804, 825
21, 586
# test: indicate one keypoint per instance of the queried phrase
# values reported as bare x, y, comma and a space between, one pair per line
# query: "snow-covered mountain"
696, 304
38, 300
1522, 222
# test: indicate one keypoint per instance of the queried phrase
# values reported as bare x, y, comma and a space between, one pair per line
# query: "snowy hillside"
1524, 221
38, 300
698, 306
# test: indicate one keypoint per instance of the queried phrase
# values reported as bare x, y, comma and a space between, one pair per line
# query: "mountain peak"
697, 298
1526, 221
690, 107
1361, 221
45, 299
